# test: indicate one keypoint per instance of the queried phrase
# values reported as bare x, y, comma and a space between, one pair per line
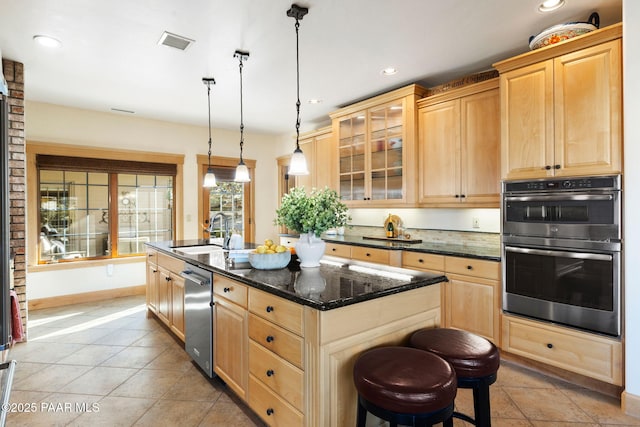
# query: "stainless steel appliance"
198, 316
561, 241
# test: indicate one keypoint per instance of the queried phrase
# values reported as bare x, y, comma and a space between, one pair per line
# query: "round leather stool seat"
470, 355
405, 380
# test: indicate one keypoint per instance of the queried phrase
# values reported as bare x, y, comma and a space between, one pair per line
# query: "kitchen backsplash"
468, 238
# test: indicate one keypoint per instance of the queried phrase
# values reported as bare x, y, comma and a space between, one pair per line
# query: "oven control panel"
601, 183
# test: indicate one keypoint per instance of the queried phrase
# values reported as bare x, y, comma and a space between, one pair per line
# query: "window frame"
34, 148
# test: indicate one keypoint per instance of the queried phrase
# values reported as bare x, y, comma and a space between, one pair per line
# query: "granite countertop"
338, 282
487, 252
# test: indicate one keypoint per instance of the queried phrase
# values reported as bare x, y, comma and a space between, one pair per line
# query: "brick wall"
14, 74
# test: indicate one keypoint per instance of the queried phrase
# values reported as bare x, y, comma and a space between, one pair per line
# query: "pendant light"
209, 178
298, 163
242, 172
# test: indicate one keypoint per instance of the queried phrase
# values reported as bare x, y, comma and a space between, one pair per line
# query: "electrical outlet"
476, 222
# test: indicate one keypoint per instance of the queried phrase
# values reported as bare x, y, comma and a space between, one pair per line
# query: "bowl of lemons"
269, 256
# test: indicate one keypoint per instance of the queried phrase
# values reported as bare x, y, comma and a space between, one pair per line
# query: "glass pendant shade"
210, 179
298, 163
242, 173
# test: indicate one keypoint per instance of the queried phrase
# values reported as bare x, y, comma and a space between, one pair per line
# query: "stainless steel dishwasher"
198, 316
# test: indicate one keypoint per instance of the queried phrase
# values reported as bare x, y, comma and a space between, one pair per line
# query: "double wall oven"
561, 242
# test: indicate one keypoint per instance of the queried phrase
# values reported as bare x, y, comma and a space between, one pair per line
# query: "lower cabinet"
230, 354
471, 297
591, 355
165, 292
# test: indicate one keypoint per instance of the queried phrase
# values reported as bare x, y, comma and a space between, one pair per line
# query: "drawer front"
334, 249
288, 241
273, 410
277, 310
278, 374
590, 355
230, 290
280, 341
423, 261
170, 263
152, 255
472, 267
380, 256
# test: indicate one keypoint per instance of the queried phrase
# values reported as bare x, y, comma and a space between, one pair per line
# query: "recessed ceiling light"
315, 101
389, 71
550, 5
47, 41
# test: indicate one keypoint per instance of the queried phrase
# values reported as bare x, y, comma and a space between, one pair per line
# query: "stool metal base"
419, 420
481, 400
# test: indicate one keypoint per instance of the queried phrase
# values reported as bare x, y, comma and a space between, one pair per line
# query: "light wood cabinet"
165, 290
276, 359
319, 149
336, 249
459, 147
376, 144
591, 355
152, 280
230, 329
562, 108
471, 298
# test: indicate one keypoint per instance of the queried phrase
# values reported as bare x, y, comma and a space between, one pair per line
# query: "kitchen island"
285, 340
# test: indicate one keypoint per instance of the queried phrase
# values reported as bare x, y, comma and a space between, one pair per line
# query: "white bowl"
269, 261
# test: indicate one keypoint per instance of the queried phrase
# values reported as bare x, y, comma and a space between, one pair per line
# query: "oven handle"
578, 255
560, 198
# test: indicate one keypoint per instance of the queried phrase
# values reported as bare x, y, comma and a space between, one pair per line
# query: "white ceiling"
110, 57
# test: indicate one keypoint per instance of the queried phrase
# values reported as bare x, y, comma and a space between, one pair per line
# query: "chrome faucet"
224, 219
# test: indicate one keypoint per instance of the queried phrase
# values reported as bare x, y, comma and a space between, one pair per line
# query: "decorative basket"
562, 32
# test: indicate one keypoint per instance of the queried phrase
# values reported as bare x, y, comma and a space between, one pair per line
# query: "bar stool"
405, 386
474, 359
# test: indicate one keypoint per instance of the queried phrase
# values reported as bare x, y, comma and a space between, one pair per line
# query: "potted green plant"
311, 215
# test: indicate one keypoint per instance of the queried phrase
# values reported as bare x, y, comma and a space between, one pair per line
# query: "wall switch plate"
476, 222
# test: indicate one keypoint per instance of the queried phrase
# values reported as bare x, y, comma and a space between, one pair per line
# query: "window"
94, 208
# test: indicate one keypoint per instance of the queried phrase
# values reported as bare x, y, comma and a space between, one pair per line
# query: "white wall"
631, 70
58, 124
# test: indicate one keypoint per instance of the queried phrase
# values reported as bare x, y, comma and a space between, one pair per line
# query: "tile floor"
106, 364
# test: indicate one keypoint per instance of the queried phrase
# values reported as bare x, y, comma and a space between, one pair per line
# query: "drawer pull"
469, 267
333, 249
368, 254
270, 373
421, 261
269, 309
270, 338
549, 345
269, 411
226, 290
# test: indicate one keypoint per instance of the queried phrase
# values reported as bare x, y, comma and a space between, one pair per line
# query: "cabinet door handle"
270, 373
270, 412
462, 196
547, 167
270, 338
269, 309
456, 196
226, 290
549, 345
557, 166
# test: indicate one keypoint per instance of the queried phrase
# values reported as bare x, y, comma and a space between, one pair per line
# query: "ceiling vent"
175, 41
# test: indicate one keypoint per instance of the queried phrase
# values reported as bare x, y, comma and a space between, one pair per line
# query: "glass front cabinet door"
377, 149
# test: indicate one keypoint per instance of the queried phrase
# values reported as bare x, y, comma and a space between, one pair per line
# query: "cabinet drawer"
172, 264
590, 355
277, 310
288, 241
280, 341
335, 249
380, 256
273, 410
278, 374
472, 267
423, 261
152, 255
231, 290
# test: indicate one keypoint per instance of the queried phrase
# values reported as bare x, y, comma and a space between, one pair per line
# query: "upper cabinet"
561, 108
459, 147
377, 149
319, 148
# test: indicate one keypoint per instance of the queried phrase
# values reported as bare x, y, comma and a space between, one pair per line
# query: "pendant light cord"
241, 114
298, 87
209, 104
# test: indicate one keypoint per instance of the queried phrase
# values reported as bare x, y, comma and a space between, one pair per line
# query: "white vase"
310, 249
